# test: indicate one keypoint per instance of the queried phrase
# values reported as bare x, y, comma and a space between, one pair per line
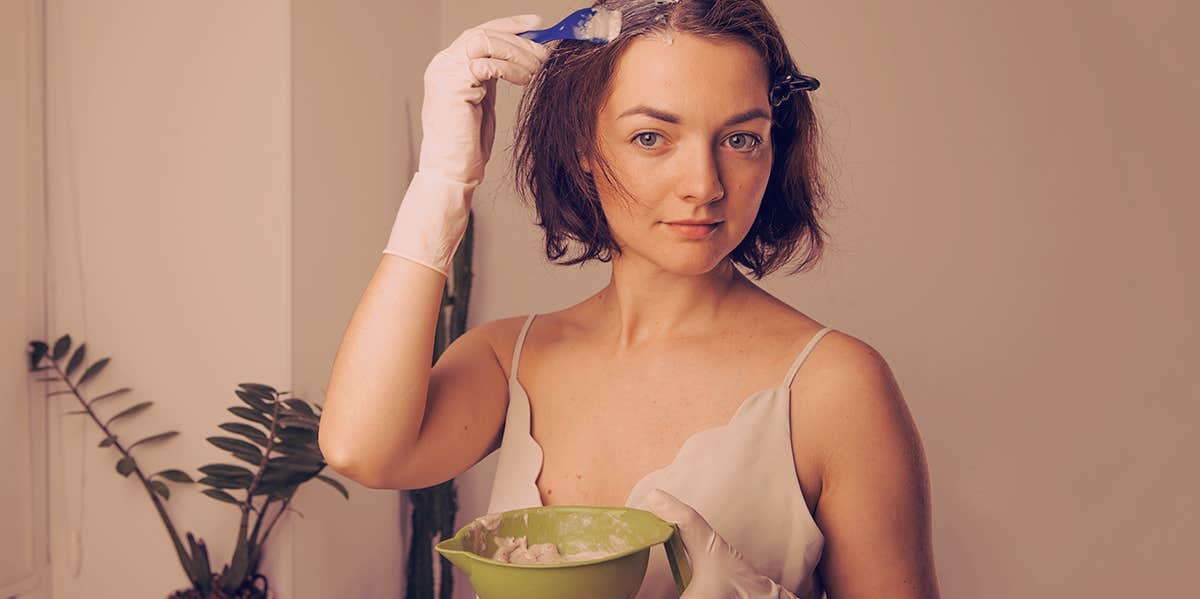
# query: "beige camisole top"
740, 476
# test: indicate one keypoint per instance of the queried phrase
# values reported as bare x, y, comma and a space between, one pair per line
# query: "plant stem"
158, 506
262, 512
282, 509
242, 540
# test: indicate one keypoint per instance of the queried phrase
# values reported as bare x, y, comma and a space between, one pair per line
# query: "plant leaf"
264, 389
110, 394
129, 411
298, 422
198, 568
296, 435
92, 371
193, 562
273, 474
276, 488
153, 438
251, 415
125, 466
295, 463
301, 406
226, 482
108, 441
37, 351
254, 401
220, 495
240, 449
247, 431
226, 470
160, 488
232, 444
298, 443
61, 347
237, 568
178, 476
335, 484
254, 459
76, 359
304, 453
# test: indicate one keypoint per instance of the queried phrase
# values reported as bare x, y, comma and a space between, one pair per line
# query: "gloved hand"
718, 570
458, 121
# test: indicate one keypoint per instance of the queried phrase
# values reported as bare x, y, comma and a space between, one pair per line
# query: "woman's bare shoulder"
501, 334
874, 503
846, 393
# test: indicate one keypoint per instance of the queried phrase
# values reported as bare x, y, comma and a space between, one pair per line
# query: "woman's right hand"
458, 114
458, 118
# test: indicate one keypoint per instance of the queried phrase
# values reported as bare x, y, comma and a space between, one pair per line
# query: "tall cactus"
434, 508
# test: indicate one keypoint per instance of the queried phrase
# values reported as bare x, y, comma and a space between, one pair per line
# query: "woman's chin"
693, 263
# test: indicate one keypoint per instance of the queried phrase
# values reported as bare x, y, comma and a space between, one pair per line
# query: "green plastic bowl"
627, 532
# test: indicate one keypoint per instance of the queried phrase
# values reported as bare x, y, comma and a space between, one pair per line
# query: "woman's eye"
747, 141
645, 136
742, 142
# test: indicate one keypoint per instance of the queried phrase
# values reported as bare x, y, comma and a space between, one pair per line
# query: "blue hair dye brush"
599, 25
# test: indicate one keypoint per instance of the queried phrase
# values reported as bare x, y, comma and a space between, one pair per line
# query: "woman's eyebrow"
662, 115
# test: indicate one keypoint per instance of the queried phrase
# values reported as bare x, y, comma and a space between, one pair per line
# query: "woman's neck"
644, 305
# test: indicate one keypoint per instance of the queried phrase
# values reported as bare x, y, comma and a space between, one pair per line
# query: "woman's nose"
700, 175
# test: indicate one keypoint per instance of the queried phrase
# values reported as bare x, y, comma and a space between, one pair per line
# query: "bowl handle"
681, 568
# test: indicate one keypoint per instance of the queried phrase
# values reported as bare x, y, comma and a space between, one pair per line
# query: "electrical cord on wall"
74, 530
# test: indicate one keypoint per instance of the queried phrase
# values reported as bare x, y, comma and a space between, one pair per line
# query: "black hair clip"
790, 83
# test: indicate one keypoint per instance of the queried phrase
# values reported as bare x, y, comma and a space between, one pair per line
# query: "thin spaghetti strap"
787, 381
517, 350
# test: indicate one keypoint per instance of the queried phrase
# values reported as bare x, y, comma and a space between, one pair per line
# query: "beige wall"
1018, 179
24, 532
356, 99
1015, 179
169, 164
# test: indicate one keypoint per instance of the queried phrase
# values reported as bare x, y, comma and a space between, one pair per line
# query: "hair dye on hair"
557, 127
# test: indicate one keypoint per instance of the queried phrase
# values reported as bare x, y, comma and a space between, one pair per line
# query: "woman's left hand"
718, 570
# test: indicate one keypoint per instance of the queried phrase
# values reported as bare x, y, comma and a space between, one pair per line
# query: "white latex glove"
458, 123
718, 570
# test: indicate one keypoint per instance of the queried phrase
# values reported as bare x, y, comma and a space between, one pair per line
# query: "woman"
783, 448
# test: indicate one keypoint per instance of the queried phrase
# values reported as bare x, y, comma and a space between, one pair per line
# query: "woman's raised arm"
383, 422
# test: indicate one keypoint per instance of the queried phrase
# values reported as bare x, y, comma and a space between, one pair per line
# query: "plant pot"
250, 592
194, 594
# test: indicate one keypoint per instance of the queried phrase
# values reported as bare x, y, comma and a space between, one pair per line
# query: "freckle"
549, 491
578, 476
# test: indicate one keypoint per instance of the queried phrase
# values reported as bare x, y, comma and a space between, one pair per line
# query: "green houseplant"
280, 443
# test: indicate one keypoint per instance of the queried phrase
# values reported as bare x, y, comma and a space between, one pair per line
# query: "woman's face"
686, 128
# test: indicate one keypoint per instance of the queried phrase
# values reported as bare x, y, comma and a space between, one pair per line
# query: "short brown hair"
557, 120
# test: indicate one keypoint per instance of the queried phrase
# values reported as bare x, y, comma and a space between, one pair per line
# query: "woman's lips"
693, 231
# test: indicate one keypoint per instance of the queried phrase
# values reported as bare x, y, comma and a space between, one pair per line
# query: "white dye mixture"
516, 550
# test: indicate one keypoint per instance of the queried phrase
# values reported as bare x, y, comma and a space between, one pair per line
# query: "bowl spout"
452, 550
